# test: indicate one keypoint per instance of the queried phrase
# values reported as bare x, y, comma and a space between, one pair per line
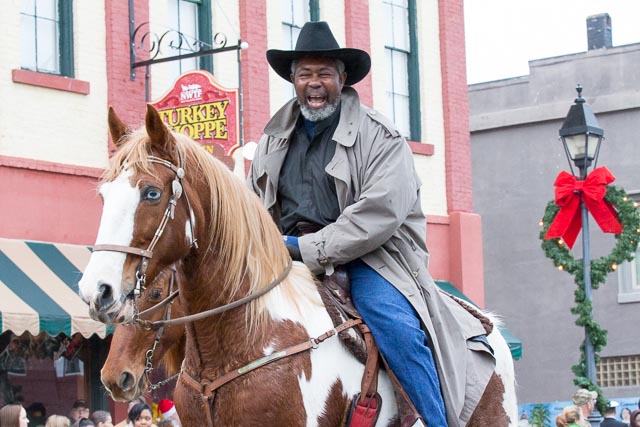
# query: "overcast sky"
503, 35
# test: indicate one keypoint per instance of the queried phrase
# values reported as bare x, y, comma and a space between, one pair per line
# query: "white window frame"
628, 274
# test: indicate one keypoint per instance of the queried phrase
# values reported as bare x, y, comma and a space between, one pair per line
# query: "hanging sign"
198, 106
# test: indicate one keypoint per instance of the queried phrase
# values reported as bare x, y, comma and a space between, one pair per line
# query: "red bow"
568, 221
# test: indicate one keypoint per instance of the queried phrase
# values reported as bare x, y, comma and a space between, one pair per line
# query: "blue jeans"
395, 325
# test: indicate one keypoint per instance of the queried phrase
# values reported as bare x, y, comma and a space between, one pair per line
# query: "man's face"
318, 86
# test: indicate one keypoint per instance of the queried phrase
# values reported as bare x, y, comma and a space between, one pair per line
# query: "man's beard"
325, 112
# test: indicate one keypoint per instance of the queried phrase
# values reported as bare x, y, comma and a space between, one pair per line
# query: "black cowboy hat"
316, 39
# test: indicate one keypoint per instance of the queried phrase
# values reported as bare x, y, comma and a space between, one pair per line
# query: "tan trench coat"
382, 223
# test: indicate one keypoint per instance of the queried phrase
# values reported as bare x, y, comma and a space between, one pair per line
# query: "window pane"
388, 29
286, 9
28, 7
388, 53
47, 9
300, 12
27, 42
400, 73
47, 46
402, 115
400, 23
287, 41
189, 20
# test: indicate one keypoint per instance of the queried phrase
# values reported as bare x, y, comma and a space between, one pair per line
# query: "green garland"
624, 250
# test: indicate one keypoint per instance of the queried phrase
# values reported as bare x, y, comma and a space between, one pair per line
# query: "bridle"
146, 254
148, 368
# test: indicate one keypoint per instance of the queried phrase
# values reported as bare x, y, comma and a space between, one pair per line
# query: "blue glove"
291, 242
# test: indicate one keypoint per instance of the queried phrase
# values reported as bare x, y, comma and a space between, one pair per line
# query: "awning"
515, 345
39, 289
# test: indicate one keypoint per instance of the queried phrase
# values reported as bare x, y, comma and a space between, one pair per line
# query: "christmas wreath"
624, 250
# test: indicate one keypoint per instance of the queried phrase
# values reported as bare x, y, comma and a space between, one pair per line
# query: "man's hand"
291, 242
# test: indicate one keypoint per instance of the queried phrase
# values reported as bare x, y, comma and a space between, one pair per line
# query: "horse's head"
147, 220
124, 373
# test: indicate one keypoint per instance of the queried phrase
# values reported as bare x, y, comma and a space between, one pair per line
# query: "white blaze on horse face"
120, 201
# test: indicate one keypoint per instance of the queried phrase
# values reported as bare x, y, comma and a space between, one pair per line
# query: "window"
403, 94
629, 273
618, 371
46, 36
192, 19
294, 15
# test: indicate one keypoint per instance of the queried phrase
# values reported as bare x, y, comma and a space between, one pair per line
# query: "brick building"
66, 61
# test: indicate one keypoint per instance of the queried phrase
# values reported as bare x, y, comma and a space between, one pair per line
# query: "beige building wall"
54, 125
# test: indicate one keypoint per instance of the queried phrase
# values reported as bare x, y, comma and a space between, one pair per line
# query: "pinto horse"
136, 351
165, 201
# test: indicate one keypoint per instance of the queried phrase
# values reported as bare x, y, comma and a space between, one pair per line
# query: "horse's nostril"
127, 381
105, 297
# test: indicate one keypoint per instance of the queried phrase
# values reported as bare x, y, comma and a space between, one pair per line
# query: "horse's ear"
117, 128
158, 133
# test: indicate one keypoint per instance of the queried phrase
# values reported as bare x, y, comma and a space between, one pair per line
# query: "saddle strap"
369, 384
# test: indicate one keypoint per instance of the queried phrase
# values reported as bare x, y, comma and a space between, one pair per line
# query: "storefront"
51, 351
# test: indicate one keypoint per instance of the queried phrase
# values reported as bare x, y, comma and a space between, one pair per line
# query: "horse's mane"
248, 247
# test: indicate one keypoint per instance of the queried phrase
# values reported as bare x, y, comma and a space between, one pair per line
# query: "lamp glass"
578, 145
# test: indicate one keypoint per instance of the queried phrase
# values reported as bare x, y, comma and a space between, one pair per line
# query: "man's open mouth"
316, 102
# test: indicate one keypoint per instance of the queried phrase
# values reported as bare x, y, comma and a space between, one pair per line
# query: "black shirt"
305, 191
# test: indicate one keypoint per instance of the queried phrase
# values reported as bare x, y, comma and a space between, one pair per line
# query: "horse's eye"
155, 294
152, 194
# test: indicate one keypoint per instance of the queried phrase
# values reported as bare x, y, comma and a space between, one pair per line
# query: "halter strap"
147, 254
204, 314
128, 249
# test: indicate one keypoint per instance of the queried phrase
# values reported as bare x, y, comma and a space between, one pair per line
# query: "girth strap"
207, 388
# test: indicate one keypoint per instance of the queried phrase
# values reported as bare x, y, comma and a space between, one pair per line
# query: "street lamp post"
581, 137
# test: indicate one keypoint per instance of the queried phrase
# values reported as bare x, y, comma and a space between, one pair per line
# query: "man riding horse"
327, 160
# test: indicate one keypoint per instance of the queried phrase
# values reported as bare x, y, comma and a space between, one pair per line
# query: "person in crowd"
79, 410
610, 416
339, 180
586, 401
102, 419
634, 418
571, 416
13, 415
140, 416
57, 421
168, 410
625, 415
37, 414
132, 403
168, 423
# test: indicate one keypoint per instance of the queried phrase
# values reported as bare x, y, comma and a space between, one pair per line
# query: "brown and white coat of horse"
240, 251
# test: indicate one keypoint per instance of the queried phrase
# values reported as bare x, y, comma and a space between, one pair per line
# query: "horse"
247, 303
134, 351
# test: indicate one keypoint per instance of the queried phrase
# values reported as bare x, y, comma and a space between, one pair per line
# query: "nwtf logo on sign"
201, 108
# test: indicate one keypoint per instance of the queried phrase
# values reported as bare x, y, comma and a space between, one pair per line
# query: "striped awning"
39, 289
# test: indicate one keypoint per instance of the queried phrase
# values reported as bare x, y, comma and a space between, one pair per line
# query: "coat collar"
284, 121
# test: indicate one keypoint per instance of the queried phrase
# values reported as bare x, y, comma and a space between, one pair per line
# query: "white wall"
48, 124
